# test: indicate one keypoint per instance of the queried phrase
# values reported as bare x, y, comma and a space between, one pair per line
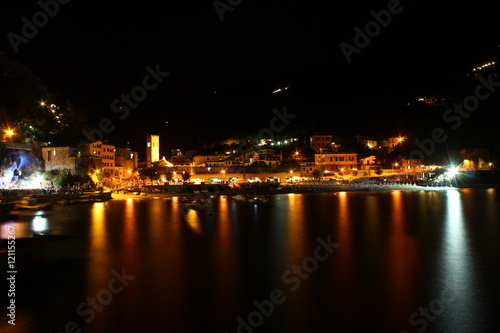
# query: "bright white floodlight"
452, 171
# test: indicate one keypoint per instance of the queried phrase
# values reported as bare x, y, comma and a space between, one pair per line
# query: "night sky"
222, 73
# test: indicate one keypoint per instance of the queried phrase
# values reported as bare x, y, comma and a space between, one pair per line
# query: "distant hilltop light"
280, 89
483, 66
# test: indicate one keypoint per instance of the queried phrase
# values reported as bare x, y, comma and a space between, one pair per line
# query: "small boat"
36, 207
194, 203
239, 198
258, 199
30, 203
250, 198
27, 213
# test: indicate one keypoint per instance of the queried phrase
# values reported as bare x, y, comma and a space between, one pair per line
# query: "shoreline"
62, 199
385, 188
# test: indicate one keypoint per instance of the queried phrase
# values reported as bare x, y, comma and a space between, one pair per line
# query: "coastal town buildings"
366, 141
321, 143
119, 167
410, 165
102, 160
337, 161
475, 159
65, 159
127, 159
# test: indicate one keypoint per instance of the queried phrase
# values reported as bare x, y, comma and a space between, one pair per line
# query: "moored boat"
240, 198
31, 203
194, 203
258, 199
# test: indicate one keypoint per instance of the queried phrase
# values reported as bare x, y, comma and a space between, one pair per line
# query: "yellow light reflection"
98, 228
344, 223
130, 236
343, 265
297, 218
99, 248
156, 213
402, 252
193, 220
343, 209
225, 259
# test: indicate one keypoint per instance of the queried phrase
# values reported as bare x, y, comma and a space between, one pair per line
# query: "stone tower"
152, 149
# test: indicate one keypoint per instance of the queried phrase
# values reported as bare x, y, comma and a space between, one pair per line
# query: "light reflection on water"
458, 292
200, 272
39, 224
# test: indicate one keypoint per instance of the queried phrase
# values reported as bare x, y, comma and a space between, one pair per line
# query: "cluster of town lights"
279, 90
483, 66
53, 109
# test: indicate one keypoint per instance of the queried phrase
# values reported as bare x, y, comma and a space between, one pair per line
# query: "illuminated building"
179, 160
209, 160
267, 156
368, 162
101, 160
392, 142
307, 168
125, 160
474, 159
322, 143
411, 165
336, 161
152, 149
366, 141
65, 159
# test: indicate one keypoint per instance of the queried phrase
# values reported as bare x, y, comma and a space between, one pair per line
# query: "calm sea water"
393, 261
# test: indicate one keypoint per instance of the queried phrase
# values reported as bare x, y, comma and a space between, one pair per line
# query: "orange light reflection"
402, 253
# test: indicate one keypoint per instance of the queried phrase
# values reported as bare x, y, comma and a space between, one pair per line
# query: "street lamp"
395, 166
9, 133
223, 172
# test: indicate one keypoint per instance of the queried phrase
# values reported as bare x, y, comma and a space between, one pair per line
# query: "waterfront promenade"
40, 196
